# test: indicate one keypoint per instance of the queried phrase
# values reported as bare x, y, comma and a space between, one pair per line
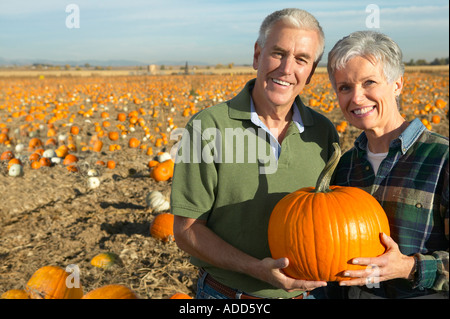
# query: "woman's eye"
343, 88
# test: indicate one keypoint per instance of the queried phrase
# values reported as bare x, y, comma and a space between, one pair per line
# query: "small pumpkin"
113, 135
7, 156
74, 130
162, 227
113, 291
163, 171
35, 142
157, 202
15, 170
104, 260
111, 164
320, 230
180, 295
49, 282
134, 142
98, 145
70, 159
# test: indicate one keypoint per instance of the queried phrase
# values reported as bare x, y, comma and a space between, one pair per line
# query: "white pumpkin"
92, 172
164, 156
15, 170
93, 182
49, 153
56, 160
19, 147
157, 201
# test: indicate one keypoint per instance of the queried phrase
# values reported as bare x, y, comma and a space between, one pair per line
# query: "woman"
402, 164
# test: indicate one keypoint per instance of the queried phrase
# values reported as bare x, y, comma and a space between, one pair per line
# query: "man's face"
285, 64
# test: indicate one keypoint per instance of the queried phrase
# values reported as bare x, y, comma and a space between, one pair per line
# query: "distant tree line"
436, 61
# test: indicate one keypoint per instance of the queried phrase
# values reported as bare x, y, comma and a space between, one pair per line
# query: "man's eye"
277, 55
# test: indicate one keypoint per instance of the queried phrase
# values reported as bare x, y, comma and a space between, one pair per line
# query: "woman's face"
366, 99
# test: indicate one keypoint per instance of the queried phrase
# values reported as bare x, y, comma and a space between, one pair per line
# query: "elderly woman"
402, 164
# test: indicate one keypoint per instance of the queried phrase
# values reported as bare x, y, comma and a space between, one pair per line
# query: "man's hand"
273, 273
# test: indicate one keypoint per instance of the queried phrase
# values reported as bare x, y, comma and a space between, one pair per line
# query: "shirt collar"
296, 117
404, 141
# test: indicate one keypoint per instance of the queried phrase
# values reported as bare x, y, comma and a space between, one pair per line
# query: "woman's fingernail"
355, 261
346, 274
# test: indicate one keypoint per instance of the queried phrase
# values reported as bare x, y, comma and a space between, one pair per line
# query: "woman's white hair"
371, 45
297, 18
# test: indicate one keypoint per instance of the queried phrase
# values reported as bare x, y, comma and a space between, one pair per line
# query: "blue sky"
200, 30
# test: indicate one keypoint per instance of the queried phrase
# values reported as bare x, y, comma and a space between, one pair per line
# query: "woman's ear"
398, 87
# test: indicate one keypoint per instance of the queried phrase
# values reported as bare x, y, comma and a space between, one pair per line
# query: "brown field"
49, 216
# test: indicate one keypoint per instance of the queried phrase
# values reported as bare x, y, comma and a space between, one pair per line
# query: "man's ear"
256, 54
312, 73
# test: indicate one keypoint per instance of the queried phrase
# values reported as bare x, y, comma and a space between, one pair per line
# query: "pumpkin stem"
323, 182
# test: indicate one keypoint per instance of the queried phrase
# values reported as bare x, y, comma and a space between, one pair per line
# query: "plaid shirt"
412, 186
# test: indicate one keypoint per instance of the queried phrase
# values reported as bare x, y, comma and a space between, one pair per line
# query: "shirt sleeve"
432, 270
194, 181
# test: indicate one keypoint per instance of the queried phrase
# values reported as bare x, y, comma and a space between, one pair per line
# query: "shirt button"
367, 168
418, 205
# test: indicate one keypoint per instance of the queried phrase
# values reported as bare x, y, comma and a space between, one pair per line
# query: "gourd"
113, 291
157, 201
320, 230
49, 282
104, 260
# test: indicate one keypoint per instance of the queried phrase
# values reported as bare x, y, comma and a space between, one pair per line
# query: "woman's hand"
390, 265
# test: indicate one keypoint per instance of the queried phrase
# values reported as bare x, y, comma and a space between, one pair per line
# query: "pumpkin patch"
63, 214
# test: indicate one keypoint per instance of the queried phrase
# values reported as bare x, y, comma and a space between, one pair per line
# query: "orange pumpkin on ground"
70, 159
15, 294
162, 227
7, 156
163, 171
50, 282
134, 142
180, 295
320, 230
98, 145
111, 292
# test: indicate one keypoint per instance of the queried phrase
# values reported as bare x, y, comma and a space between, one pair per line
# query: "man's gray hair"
297, 18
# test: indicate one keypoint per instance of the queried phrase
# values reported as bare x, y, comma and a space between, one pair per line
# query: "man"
225, 185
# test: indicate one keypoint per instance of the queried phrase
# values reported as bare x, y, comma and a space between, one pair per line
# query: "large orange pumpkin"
111, 292
320, 230
49, 282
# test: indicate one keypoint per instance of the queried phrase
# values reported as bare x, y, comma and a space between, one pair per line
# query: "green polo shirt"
226, 174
